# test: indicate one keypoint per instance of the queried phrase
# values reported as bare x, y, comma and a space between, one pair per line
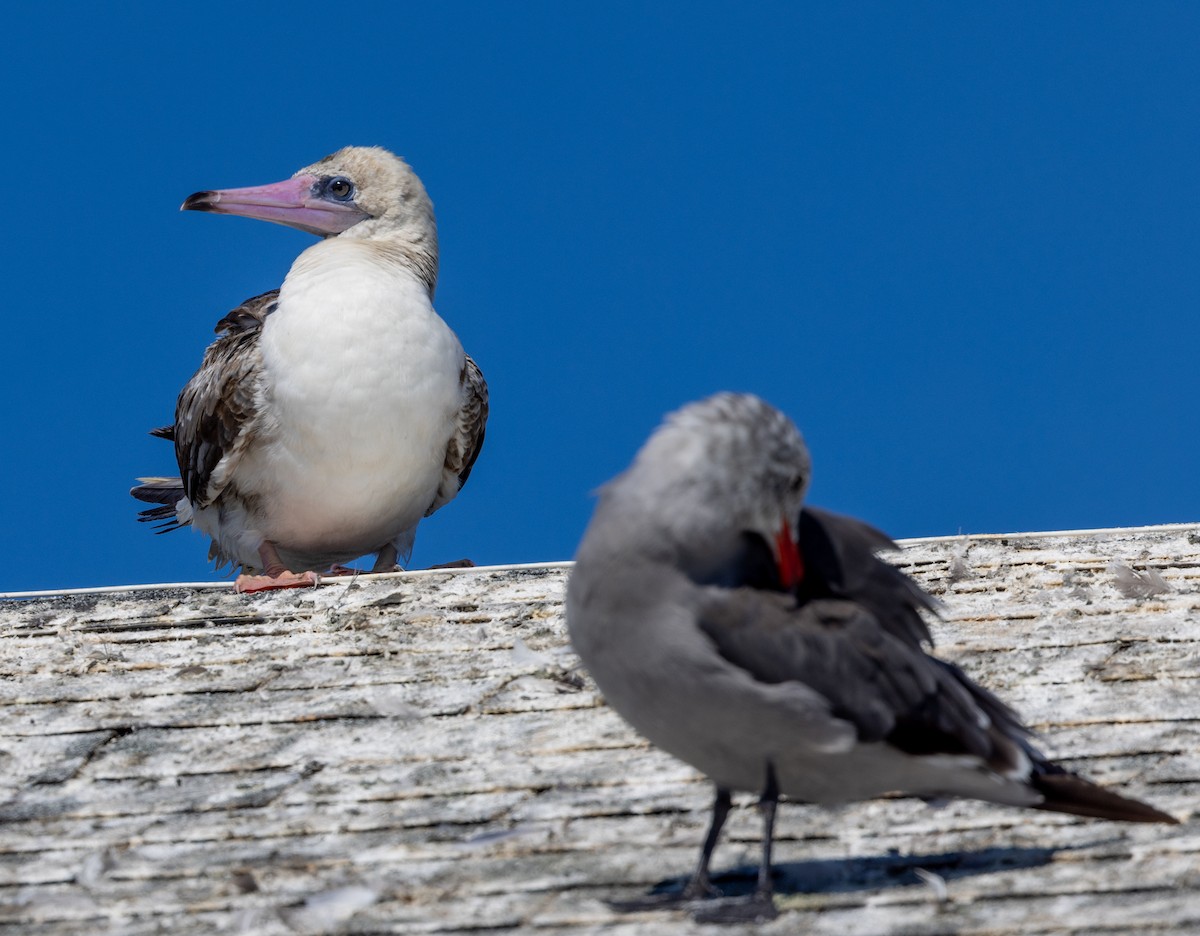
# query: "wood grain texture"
422, 754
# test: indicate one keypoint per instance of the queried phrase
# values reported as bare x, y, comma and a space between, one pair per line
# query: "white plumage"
335, 413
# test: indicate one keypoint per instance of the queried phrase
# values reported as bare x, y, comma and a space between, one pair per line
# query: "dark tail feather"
1066, 792
166, 492
159, 491
164, 432
165, 517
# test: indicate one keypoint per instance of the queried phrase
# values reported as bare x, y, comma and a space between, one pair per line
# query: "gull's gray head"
714, 471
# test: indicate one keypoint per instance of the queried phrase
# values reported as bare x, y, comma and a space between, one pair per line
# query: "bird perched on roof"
767, 645
333, 413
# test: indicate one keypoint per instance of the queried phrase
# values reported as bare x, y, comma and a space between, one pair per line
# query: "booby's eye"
340, 188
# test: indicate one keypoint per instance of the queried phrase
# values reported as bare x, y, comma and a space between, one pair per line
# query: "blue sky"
958, 243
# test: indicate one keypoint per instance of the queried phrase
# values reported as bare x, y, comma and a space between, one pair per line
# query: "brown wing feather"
218, 403
250, 315
467, 440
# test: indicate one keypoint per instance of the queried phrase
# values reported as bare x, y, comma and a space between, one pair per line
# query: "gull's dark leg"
767, 804
700, 886
758, 906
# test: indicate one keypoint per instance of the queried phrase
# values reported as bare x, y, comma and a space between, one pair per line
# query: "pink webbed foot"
275, 576
246, 584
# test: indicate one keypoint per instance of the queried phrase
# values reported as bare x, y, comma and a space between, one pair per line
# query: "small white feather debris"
390, 701
1134, 584
523, 655
957, 568
935, 881
323, 912
95, 868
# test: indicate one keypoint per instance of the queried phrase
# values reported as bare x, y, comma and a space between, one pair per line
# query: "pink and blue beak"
299, 202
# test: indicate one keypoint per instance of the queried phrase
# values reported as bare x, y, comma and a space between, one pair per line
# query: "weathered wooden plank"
421, 754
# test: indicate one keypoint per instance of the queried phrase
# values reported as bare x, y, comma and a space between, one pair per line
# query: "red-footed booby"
333, 413
766, 644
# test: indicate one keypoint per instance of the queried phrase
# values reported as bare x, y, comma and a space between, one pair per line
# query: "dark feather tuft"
164, 492
1066, 792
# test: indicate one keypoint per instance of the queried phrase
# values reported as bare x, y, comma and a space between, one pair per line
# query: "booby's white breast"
360, 393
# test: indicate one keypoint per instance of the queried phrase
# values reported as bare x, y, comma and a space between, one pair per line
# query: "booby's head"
357, 192
716, 473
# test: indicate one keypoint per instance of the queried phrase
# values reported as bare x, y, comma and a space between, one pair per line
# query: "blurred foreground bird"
335, 412
766, 644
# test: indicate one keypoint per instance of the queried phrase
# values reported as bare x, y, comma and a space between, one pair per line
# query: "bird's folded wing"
841, 552
889, 690
467, 438
218, 406
250, 315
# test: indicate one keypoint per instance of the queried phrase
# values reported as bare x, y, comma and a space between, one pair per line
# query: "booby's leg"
385, 560
700, 886
275, 575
